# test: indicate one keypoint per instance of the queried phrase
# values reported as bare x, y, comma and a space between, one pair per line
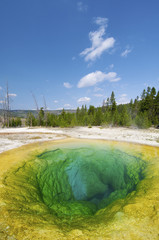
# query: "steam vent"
76, 189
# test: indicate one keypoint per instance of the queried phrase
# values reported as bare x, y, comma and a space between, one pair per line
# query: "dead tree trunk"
7, 105
45, 111
36, 104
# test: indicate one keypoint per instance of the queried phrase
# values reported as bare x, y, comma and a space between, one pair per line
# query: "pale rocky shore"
16, 137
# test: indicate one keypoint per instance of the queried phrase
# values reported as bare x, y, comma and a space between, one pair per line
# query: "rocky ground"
16, 137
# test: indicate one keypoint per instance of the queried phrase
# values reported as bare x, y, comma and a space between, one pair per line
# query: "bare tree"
45, 106
45, 109
37, 107
5, 101
35, 101
7, 105
2, 107
4, 110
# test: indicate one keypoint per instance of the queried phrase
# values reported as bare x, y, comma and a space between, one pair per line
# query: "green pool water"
71, 182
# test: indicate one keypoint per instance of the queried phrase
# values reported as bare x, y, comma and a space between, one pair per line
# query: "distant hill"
23, 113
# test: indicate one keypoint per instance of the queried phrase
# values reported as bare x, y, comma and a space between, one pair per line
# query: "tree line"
142, 112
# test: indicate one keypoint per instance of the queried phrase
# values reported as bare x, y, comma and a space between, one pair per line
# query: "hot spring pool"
79, 189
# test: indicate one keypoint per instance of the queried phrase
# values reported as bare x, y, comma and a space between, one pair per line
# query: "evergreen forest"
142, 112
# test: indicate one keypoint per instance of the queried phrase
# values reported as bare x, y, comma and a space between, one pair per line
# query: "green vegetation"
142, 113
14, 122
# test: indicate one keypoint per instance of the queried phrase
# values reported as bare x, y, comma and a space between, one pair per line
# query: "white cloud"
98, 95
56, 101
123, 95
101, 21
93, 78
12, 94
67, 105
0, 88
67, 85
83, 100
126, 52
99, 44
82, 7
123, 99
97, 89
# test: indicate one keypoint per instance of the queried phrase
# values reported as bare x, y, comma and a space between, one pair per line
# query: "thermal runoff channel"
72, 182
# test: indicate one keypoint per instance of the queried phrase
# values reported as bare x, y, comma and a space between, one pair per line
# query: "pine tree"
41, 117
112, 102
156, 108
98, 117
124, 117
116, 118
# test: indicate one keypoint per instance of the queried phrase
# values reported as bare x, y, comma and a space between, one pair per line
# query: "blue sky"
77, 52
